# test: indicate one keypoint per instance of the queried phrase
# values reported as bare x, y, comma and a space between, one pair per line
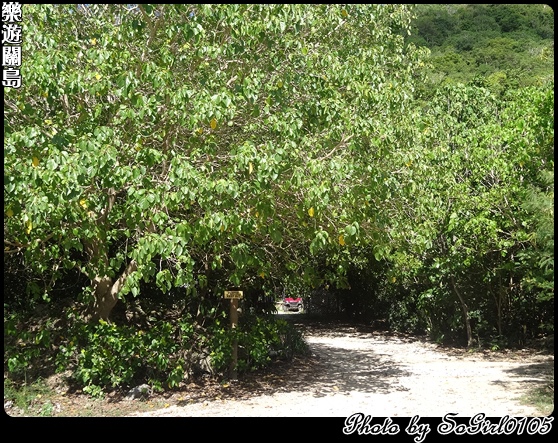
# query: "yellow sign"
233, 294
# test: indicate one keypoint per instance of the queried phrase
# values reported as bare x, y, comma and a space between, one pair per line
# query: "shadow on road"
332, 367
347, 370
343, 362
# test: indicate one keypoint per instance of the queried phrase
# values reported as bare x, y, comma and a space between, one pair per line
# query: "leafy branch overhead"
216, 137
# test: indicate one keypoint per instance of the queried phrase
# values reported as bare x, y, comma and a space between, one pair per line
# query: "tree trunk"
499, 301
106, 293
104, 300
105, 290
465, 310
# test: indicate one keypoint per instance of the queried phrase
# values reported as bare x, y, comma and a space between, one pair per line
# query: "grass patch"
38, 399
29, 399
542, 397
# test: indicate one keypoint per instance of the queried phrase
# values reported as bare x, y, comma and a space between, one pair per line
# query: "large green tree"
201, 146
471, 190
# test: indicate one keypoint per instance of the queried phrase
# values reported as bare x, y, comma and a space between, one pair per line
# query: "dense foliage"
161, 154
502, 46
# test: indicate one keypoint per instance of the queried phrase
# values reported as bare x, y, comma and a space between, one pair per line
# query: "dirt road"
356, 369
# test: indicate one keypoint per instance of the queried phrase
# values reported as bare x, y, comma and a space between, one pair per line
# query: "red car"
292, 304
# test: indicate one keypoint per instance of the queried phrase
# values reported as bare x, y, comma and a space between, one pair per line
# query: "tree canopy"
200, 145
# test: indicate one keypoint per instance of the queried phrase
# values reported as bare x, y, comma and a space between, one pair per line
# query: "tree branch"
341, 144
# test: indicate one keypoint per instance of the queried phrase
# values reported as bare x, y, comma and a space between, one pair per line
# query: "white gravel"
389, 376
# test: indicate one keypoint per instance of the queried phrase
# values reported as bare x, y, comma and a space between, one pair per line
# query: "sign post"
234, 296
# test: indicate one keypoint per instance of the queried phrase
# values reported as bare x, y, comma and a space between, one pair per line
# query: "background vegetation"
499, 46
400, 175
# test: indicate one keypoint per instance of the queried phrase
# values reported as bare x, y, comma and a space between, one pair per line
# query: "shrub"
260, 340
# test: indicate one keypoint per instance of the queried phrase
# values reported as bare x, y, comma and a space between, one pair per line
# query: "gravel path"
386, 375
